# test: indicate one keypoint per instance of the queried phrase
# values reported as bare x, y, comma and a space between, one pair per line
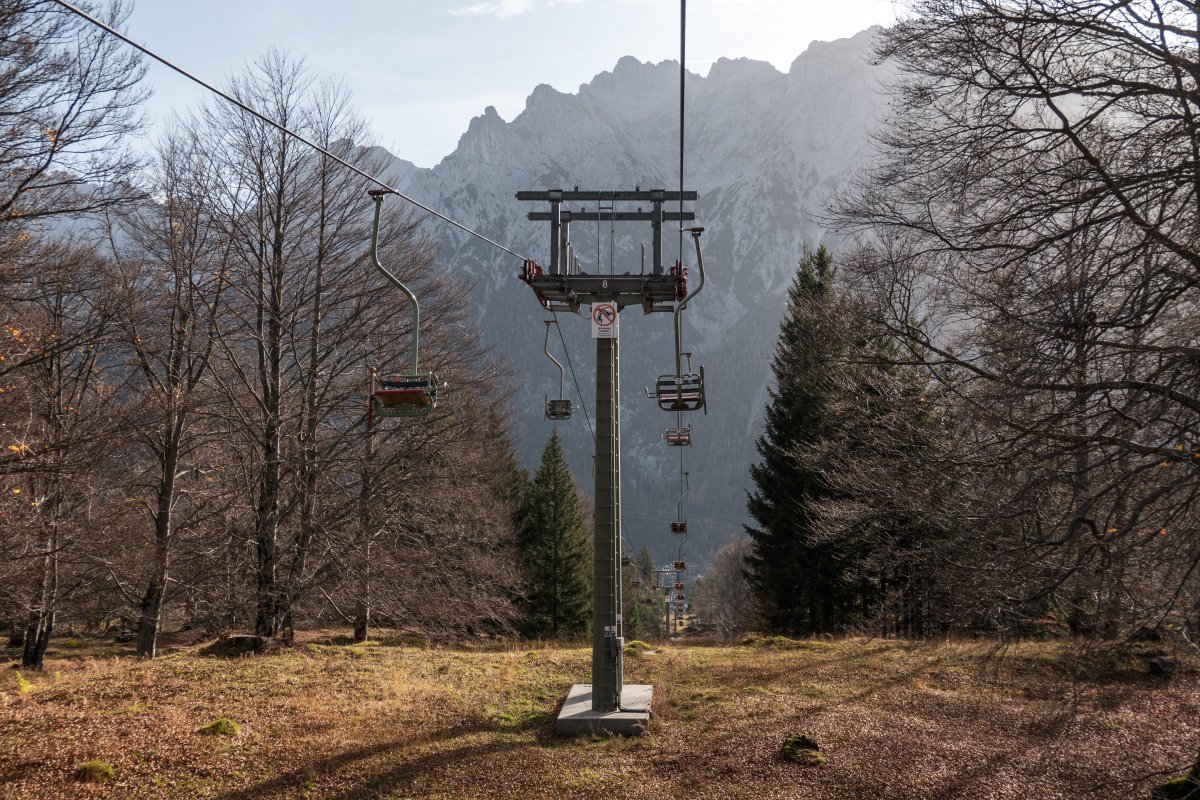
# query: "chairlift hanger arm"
377, 196
683, 303
557, 363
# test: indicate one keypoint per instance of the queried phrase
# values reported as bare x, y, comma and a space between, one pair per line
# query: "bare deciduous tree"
723, 598
1031, 232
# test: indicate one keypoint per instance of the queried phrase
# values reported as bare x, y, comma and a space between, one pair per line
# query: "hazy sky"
420, 70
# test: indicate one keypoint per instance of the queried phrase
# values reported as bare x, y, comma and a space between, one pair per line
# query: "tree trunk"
41, 617
37, 639
16, 636
149, 617
150, 612
362, 621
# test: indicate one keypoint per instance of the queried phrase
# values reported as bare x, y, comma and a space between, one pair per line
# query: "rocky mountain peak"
766, 150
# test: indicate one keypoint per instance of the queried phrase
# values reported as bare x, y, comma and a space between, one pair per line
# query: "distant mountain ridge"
765, 150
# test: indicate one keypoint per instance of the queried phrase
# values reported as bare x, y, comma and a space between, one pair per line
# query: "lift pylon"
566, 286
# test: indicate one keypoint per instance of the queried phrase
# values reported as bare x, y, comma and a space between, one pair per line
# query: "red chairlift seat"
679, 437
403, 395
679, 587
679, 527
680, 566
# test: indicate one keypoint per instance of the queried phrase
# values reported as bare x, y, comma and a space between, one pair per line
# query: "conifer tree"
556, 550
796, 580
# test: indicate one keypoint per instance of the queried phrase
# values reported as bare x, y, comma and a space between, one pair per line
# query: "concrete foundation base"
578, 719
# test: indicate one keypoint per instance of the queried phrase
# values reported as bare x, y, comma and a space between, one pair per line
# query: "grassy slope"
896, 720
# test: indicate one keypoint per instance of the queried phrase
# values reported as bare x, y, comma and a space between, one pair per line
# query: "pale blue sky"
420, 71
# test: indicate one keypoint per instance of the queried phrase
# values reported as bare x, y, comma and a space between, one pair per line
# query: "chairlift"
559, 409
414, 394
679, 437
679, 527
680, 566
402, 395
679, 587
683, 391
626, 561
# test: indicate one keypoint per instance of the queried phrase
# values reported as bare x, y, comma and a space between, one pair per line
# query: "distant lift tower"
607, 705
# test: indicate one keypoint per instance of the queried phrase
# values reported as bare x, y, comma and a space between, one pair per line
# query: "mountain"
765, 150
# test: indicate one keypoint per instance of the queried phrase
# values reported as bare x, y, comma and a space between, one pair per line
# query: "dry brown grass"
894, 719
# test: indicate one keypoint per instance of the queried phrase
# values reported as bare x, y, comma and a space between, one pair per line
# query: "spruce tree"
796, 581
555, 550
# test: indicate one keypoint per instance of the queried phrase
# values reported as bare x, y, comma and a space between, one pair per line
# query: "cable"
682, 79
582, 404
228, 98
682, 100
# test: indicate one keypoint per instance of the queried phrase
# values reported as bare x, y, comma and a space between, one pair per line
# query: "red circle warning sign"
604, 315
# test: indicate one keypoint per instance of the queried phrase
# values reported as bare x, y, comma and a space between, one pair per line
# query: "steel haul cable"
230, 99
302, 139
582, 402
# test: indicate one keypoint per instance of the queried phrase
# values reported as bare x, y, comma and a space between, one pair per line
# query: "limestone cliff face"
765, 150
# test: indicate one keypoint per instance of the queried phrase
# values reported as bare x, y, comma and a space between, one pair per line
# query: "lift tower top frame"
563, 287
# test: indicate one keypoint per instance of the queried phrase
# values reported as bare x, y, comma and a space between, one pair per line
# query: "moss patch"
636, 647
95, 771
220, 727
799, 749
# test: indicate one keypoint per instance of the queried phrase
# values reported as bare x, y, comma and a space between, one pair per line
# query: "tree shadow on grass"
390, 777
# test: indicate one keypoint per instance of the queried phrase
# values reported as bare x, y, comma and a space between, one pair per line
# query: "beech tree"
62, 421
68, 96
174, 264
723, 598
1030, 231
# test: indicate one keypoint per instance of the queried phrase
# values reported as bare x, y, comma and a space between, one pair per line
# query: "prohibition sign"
604, 315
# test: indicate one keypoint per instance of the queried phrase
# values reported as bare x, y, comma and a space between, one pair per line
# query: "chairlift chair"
560, 408
680, 392
679, 437
680, 566
683, 390
679, 527
414, 394
679, 587
403, 395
